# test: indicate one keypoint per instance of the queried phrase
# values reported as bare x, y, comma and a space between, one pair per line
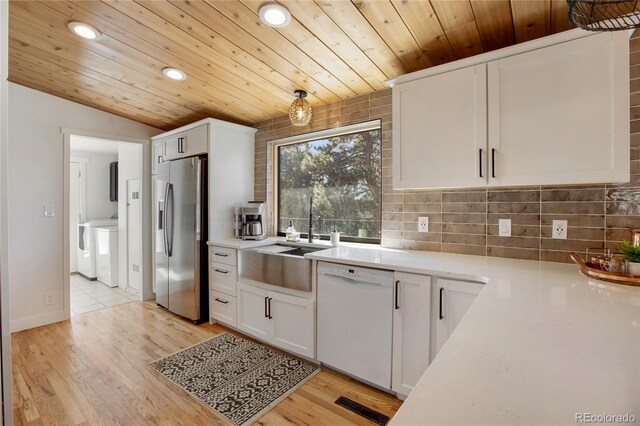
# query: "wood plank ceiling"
241, 70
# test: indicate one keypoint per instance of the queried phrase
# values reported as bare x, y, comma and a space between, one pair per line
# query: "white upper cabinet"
185, 144
157, 155
195, 141
440, 130
548, 112
230, 151
560, 115
172, 146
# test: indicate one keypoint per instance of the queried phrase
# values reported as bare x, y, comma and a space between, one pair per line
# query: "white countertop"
244, 244
235, 243
539, 345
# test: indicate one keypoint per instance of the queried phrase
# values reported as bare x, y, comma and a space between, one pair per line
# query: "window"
342, 170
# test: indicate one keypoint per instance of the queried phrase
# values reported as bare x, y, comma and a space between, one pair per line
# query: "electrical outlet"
504, 227
559, 229
48, 299
423, 224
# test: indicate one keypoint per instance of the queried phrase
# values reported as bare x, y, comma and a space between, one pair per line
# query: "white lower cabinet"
451, 302
223, 278
223, 307
426, 311
293, 325
411, 330
252, 311
282, 320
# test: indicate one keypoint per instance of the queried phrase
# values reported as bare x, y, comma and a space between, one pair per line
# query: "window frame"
312, 136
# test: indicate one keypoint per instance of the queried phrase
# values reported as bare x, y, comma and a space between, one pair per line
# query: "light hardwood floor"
94, 370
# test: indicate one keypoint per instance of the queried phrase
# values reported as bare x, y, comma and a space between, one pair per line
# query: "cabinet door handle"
397, 284
221, 254
222, 271
159, 159
269, 303
441, 291
480, 161
266, 302
221, 301
493, 162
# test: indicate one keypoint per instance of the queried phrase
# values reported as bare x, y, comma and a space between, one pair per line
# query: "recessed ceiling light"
274, 15
84, 30
174, 74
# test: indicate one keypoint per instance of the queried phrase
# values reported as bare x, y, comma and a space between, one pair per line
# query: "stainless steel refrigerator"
181, 265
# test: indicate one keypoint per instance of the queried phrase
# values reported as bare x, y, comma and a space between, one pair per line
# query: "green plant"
630, 252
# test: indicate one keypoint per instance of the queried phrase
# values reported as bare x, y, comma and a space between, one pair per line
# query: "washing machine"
87, 245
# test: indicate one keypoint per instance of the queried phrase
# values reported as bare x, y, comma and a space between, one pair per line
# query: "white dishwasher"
355, 321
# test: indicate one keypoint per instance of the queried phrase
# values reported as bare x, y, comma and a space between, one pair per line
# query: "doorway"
77, 205
105, 228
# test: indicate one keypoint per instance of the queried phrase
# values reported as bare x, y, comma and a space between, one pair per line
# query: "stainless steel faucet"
310, 228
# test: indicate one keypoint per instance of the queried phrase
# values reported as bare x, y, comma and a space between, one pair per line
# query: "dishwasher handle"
352, 281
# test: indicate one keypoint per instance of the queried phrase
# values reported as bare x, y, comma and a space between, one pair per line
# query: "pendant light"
300, 110
604, 15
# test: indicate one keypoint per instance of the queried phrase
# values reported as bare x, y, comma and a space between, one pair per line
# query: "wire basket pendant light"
300, 110
604, 15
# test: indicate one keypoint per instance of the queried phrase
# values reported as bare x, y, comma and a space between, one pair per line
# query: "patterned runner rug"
239, 379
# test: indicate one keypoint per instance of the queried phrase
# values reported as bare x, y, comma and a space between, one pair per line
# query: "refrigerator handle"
164, 220
169, 217
198, 200
160, 217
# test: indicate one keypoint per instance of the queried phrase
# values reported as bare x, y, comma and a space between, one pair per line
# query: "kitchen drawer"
222, 307
223, 278
222, 255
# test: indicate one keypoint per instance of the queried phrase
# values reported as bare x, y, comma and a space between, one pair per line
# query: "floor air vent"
363, 411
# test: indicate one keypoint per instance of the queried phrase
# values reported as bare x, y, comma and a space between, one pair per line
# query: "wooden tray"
594, 271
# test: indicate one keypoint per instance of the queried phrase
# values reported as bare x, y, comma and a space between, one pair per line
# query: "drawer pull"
222, 301
222, 271
221, 254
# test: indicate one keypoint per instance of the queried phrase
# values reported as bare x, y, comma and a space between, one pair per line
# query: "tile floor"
87, 296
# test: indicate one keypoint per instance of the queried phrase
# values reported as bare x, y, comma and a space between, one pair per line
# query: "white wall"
99, 206
35, 179
129, 167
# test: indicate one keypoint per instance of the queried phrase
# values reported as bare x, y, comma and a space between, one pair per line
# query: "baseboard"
26, 323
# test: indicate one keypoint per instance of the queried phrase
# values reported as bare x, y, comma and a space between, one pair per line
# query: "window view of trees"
344, 175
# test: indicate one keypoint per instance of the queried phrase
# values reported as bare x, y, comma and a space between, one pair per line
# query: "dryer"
87, 245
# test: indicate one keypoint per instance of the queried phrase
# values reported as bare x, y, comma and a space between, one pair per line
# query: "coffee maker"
254, 221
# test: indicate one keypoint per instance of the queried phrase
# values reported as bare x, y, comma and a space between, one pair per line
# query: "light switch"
49, 211
504, 226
